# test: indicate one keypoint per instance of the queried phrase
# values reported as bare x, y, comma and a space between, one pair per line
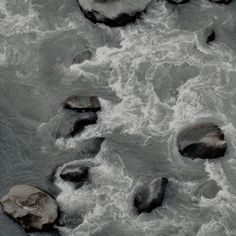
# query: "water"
153, 78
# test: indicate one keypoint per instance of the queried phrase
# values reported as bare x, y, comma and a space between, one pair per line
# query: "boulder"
205, 140
150, 196
82, 104
81, 57
178, 1
113, 12
211, 37
29, 206
75, 173
221, 1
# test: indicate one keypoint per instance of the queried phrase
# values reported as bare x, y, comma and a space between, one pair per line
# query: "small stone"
150, 196
82, 104
204, 141
29, 206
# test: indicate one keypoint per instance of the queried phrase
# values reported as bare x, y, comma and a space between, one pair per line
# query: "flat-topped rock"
29, 206
113, 12
75, 173
82, 104
205, 140
150, 196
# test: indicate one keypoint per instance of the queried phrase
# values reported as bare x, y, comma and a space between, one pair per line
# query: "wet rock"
29, 206
75, 173
113, 13
70, 221
150, 196
85, 55
221, 1
178, 1
211, 37
80, 124
204, 141
82, 104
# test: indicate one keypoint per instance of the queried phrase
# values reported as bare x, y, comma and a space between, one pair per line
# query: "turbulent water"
153, 78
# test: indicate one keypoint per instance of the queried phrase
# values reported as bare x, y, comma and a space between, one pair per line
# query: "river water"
153, 78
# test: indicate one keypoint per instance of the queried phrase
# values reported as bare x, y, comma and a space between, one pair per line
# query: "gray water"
153, 78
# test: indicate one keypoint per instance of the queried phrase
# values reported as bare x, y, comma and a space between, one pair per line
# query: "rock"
75, 173
204, 141
208, 189
221, 1
72, 123
81, 123
82, 104
29, 206
70, 221
150, 196
178, 1
113, 12
85, 55
211, 37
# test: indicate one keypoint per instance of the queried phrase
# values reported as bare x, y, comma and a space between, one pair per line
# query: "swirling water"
153, 78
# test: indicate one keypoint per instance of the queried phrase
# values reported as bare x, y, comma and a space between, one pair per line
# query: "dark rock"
82, 104
72, 123
29, 206
75, 173
113, 13
85, 55
204, 141
178, 1
150, 196
80, 124
221, 1
211, 37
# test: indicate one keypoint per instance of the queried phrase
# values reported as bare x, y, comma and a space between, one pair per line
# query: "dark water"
153, 78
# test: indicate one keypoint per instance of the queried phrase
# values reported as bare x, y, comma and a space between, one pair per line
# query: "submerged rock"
82, 104
79, 58
208, 189
29, 206
150, 196
70, 221
211, 37
221, 1
75, 173
202, 141
113, 12
178, 1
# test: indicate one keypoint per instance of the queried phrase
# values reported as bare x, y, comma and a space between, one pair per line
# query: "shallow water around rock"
153, 78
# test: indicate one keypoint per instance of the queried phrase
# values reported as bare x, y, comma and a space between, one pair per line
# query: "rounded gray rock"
29, 206
150, 196
113, 12
205, 141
